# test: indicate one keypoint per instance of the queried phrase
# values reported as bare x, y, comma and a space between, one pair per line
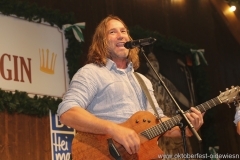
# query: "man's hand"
127, 137
195, 117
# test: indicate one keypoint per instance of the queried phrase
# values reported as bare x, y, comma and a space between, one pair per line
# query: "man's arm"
81, 120
238, 127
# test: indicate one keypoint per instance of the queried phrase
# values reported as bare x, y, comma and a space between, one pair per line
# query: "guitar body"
87, 146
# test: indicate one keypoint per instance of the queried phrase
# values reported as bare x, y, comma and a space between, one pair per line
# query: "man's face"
117, 36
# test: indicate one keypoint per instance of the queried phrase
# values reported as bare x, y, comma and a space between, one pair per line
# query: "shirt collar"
112, 65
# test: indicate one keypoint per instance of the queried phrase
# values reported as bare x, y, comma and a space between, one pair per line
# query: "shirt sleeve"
237, 116
81, 90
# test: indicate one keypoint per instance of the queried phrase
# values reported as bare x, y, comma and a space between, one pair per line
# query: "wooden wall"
24, 137
196, 22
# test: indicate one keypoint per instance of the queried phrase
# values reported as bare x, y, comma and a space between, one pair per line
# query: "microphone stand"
180, 111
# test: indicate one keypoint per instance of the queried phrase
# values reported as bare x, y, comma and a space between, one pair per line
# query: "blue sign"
61, 139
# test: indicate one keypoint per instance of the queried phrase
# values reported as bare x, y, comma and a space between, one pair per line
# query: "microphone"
139, 42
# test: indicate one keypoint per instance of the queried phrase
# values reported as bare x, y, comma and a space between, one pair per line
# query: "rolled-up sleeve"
80, 92
237, 116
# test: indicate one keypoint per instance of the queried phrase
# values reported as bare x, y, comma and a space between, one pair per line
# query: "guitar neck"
207, 105
161, 128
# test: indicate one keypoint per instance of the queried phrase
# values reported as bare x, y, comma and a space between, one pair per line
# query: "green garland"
20, 102
32, 12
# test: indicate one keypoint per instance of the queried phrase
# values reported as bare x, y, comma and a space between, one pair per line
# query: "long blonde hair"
98, 52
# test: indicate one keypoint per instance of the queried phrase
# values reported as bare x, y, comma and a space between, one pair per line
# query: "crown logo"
44, 63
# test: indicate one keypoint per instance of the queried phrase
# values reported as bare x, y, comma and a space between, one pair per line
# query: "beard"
121, 54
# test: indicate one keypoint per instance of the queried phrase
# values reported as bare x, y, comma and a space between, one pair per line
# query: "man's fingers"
196, 117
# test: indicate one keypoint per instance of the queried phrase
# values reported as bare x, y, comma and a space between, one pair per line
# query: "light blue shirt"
108, 92
237, 115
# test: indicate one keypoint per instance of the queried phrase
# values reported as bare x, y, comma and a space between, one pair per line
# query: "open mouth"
120, 44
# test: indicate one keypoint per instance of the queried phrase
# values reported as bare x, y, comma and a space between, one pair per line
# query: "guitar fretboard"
161, 128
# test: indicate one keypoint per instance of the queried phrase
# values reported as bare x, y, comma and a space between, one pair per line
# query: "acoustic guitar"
86, 146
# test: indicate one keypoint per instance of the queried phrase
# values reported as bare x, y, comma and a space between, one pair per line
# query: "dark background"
192, 21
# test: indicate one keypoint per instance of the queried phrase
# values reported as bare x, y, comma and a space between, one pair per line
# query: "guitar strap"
144, 87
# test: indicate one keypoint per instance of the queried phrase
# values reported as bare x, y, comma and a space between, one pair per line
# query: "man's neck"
121, 63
